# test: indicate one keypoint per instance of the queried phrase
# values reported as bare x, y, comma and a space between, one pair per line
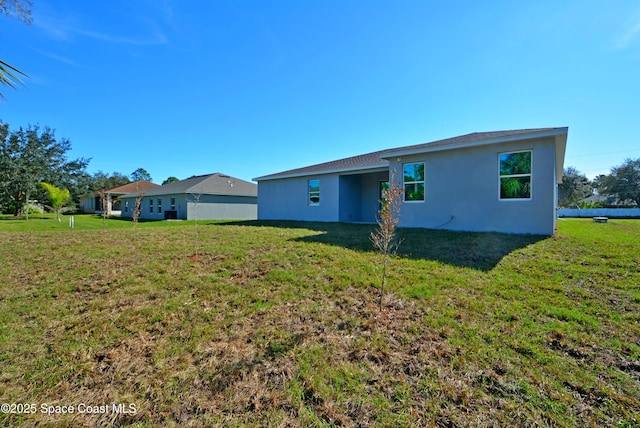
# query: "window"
126, 206
173, 204
151, 205
413, 181
384, 187
515, 175
314, 192
159, 205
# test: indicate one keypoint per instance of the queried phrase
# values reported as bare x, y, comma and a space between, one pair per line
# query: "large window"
515, 175
314, 192
413, 181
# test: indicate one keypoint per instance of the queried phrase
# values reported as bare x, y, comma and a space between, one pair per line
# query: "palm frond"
10, 76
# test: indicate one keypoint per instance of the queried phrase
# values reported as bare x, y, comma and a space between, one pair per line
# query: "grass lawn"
46, 222
276, 324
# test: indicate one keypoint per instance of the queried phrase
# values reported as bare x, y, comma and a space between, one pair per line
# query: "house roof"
210, 184
378, 160
367, 161
611, 200
134, 186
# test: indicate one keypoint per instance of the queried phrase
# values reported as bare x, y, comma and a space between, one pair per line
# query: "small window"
160, 206
515, 175
314, 192
173, 204
126, 206
384, 188
151, 205
413, 181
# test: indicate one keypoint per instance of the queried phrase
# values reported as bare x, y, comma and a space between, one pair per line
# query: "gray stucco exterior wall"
462, 190
345, 198
209, 207
288, 199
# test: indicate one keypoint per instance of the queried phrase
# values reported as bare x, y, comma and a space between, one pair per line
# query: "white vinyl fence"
600, 212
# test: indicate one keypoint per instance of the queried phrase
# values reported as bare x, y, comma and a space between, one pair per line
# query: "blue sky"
250, 88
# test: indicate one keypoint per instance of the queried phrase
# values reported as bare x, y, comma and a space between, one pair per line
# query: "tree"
140, 174
602, 182
103, 181
574, 186
136, 211
57, 197
104, 206
196, 200
384, 236
623, 183
29, 156
77, 181
21, 9
171, 179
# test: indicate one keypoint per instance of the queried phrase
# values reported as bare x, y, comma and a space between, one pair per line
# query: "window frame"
404, 183
315, 192
529, 175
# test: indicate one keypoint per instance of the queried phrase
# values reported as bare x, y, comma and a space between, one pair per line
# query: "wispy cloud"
57, 57
631, 33
68, 29
154, 38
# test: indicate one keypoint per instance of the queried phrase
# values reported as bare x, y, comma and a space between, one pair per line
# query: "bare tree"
384, 237
196, 198
104, 202
135, 215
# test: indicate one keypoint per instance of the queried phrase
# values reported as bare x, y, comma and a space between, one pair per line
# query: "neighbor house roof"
134, 186
378, 160
610, 200
210, 184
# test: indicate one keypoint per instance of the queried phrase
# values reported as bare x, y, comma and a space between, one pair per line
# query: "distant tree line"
33, 155
619, 188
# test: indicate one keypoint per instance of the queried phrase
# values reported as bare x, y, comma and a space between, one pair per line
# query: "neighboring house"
205, 197
610, 201
92, 203
503, 181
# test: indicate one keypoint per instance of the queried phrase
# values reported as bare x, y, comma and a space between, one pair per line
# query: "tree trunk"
384, 278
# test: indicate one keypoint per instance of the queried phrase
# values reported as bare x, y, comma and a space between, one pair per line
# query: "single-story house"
504, 181
92, 203
206, 197
610, 201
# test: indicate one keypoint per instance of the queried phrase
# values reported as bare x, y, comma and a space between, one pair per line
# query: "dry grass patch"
277, 325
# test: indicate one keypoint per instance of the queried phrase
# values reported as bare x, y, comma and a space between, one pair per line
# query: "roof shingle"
378, 159
134, 186
215, 184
